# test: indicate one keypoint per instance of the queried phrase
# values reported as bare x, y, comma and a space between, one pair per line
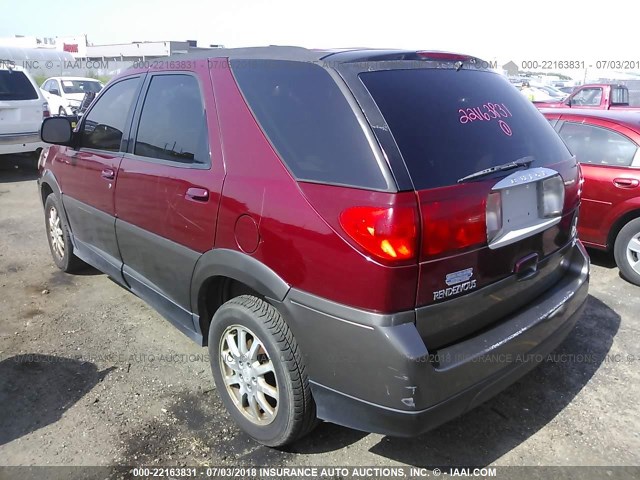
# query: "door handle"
626, 182
108, 173
197, 194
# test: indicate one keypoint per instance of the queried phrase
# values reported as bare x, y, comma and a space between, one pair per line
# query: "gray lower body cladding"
374, 373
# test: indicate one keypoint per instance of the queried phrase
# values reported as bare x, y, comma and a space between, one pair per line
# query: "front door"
89, 176
605, 157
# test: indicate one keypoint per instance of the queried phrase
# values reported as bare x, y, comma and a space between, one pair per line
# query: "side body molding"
240, 267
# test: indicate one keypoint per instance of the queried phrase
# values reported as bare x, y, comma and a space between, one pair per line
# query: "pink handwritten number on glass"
505, 127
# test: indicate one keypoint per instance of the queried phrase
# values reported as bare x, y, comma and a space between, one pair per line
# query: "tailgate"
20, 104
458, 132
20, 116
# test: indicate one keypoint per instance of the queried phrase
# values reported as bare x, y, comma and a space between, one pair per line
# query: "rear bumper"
20, 143
373, 372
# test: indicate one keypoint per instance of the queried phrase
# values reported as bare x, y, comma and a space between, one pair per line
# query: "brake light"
454, 57
453, 225
386, 233
45, 110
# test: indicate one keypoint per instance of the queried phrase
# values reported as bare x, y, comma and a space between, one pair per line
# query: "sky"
526, 30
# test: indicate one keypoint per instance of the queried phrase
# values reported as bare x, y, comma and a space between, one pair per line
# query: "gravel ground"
89, 375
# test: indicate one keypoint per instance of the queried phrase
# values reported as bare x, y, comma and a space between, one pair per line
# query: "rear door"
88, 172
20, 105
168, 189
448, 123
605, 156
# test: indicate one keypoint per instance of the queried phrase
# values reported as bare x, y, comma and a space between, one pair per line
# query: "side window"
619, 96
173, 124
103, 126
46, 85
597, 145
587, 96
309, 122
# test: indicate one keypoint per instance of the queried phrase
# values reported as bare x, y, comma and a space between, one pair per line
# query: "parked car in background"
534, 93
65, 94
22, 108
606, 145
338, 265
602, 96
566, 90
551, 91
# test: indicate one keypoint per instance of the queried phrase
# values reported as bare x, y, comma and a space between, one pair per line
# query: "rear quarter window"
309, 122
16, 86
449, 124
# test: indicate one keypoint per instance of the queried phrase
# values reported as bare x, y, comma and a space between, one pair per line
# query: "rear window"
619, 96
449, 124
16, 86
309, 122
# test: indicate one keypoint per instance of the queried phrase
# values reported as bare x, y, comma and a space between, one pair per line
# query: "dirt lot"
89, 375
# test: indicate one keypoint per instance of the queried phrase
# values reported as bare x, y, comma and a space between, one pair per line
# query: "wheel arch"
48, 185
619, 224
223, 274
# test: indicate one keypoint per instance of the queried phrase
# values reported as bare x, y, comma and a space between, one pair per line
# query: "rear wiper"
521, 162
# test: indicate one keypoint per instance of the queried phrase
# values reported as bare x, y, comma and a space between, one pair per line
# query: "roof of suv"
301, 54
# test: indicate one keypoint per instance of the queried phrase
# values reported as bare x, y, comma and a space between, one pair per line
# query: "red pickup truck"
602, 96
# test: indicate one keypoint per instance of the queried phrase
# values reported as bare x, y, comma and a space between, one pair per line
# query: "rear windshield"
16, 86
449, 124
309, 122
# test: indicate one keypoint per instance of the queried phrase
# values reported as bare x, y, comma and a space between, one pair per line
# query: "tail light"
551, 197
580, 181
494, 215
453, 225
45, 110
386, 233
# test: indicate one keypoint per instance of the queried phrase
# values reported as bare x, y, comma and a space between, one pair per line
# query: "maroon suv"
380, 239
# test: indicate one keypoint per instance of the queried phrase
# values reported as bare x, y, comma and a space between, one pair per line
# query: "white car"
22, 108
65, 94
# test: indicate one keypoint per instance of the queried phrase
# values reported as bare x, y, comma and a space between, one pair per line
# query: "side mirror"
568, 102
56, 130
54, 91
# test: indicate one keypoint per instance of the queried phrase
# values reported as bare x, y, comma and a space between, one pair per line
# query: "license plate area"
521, 206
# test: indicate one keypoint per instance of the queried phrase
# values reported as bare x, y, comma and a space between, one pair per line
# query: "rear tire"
626, 251
59, 238
62, 112
263, 385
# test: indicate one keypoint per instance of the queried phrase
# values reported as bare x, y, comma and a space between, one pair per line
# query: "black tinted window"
449, 124
309, 122
16, 86
173, 125
596, 145
105, 122
619, 96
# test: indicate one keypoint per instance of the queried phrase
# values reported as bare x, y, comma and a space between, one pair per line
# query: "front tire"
626, 251
59, 237
259, 372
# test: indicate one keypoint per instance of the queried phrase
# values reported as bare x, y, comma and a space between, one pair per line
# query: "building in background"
76, 56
